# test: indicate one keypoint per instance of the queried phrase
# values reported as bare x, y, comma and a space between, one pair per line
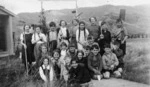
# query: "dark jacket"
79, 75
82, 62
106, 39
119, 54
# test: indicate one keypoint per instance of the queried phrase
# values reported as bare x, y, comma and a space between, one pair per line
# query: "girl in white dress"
81, 35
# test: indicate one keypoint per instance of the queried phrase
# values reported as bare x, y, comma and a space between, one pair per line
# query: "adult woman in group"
94, 28
27, 46
63, 33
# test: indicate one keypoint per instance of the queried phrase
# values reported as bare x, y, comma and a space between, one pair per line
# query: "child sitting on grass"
46, 72
119, 54
79, 75
110, 62
95, 62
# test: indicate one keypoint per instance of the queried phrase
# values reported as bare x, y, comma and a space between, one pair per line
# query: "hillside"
137, 17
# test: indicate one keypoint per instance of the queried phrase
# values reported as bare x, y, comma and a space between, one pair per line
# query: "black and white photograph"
74, 43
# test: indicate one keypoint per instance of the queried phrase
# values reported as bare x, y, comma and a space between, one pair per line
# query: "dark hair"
87, 47
36, 26
40, 47
44, 59
82, 22
103, 22
72, 45
75, 20
25, 26
80, 51
92, 17
62, 21
52, 24
73, 59
117, 43
89, 37
119, 20
95, 46
56, 51
63, 44
107, 46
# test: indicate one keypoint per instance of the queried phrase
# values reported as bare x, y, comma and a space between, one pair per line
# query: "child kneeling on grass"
79, 75
119, 54
110, 63
95, 62
46, 72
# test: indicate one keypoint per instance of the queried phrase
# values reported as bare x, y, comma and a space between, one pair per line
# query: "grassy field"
137, 61
137, 67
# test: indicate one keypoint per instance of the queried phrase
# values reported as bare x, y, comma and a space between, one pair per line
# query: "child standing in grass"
46, 72
110, 62
52, 36
95, 62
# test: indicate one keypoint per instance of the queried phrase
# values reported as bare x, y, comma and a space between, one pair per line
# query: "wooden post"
122, 14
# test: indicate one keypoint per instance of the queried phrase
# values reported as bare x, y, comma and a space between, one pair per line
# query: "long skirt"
29, 54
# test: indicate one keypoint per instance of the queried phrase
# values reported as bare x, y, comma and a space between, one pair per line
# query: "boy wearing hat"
72, 51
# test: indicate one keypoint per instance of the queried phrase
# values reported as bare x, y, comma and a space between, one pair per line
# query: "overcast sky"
18, 6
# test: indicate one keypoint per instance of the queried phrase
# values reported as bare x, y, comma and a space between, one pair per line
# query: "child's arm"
104, 63
42, 74
81, 64
118, 53
44, 38
116, 60
90, 65
33, 40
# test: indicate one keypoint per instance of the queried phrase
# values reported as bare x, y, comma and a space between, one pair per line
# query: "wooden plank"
122, 14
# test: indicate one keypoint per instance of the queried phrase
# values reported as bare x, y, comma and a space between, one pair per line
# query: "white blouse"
51, 74
83, 37
36, 37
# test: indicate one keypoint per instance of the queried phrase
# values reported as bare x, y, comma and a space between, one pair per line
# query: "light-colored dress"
82, 38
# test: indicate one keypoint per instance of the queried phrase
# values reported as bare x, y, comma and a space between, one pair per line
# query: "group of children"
81, 66
76, 56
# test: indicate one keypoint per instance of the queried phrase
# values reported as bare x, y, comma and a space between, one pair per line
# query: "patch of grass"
137, 62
